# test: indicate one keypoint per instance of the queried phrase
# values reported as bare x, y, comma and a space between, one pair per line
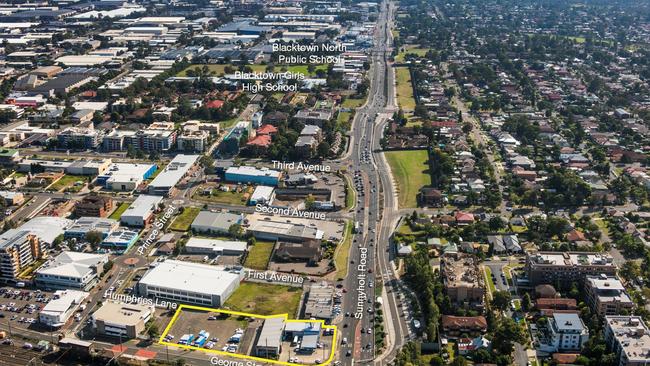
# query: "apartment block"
17, 252
607, 296
559, 268
629, 338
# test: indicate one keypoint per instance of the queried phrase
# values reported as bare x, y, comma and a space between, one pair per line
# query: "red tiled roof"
260, 140
576, 235
464, 216
463, 322
215, 104
267, 130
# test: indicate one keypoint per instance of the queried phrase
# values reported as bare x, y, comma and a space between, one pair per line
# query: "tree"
501, 300
496, 223
309, 202
107, 266
153, 331
235, 230
94, 238
506, 334
525, 302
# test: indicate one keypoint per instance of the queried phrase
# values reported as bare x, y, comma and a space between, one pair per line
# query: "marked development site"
258, 339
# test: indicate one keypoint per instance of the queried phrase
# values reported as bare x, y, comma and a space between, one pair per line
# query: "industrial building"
71, 270
122, 320
215, 222
215, 247
319, 303
163, 184
190, 283
126, 177
141, 211
262, 195
252, 175
58, 311
269, 342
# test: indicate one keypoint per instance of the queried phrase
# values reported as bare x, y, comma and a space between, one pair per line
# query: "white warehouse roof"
191, 277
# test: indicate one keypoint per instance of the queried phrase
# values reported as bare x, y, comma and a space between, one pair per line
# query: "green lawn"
259, 255
343, 252
405, 97
413, 50
67, 181
228, 123
183, 221
350, 195
218, 70
119, 211
352, 103
344, 121
410, 170
265, 299
488, 279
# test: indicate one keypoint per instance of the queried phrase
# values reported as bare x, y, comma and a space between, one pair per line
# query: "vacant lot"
265, 299
411, 171
404, 89
352, 103
184, 220
412, 49
230, 198
69, 182
119, 211
259, 255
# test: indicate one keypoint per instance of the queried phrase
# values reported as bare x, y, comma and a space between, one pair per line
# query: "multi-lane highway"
376, 214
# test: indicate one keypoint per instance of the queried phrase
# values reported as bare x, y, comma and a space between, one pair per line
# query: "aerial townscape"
325, 182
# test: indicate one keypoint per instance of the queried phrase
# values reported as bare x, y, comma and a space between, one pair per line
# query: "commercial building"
75, 167
462, 279
563, 268
262, 195
141, 212
17, 251
45, 228
606, 295
120, 240
319, 303
94, 205
84, 225
122, 320
58, 311
12, 198
215, 222
191, 283
564, 332
252, 175
163, 184
269, 342
126, 177
310, 252
215, 247
276, 228
71, 270
629, 339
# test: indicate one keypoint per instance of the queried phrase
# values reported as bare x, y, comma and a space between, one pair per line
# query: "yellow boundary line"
162, 341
